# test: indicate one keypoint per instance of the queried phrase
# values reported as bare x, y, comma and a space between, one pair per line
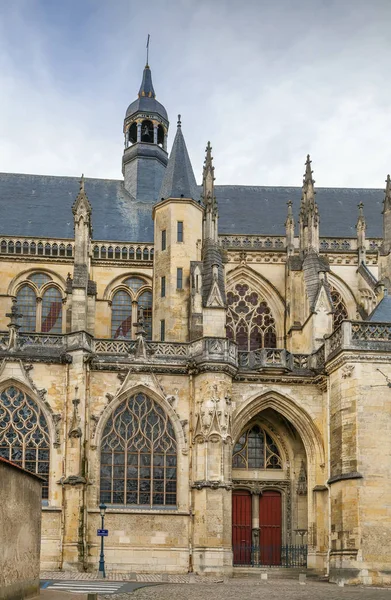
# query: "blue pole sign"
102, 532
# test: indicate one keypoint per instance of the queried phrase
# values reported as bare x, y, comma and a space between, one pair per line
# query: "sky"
266, 81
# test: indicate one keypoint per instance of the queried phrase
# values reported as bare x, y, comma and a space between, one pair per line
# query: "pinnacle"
308, 171
208, 162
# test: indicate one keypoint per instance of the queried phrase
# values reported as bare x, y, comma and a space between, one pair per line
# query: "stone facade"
253, 376
20, 526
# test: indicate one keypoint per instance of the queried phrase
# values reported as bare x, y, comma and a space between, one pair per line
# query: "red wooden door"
270, 528
241, 527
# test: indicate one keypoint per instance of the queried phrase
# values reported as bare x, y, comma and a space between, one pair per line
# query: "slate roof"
146, 101
179, 180
41, 205
382, 312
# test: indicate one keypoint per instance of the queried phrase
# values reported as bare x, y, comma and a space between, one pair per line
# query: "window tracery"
249, 320
255, 449
124, 314
138, 455
45, 317
340, 310
24, 434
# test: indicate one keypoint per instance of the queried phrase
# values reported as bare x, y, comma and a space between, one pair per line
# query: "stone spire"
290, 230
213, 286
360, 228
80, 284
386, 248
179, 180
208, 197
309, 214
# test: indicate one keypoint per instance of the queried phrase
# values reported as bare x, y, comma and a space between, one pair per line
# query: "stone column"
155, 134
255, 526
139, 132
75, 480
212, 455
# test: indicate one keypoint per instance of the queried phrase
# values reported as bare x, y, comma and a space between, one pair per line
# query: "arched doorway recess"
269, 500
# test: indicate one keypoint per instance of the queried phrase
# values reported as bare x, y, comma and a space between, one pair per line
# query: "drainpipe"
328, 477
191, 504
63, 502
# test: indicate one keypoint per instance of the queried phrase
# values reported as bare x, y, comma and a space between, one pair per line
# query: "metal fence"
270, 556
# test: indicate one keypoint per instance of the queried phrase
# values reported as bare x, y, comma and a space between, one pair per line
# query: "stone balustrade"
359, 335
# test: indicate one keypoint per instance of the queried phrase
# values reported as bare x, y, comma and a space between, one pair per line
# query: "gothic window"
39, 279
121, 315
249, 320
45, 317
123, 318
51, 311
27, 306
340, 310
255, 449
138, 455
24, 434
134, 283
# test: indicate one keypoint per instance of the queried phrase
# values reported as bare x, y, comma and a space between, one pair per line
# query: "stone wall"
20, 526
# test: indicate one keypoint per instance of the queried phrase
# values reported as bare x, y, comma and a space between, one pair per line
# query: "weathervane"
148, 48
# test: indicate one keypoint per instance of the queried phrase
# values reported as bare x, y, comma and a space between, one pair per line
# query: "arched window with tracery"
340, 310
24, 434
27, 306
51, 311
45, 316
255, 449
121, 315
250, 322
138, 455
125, 307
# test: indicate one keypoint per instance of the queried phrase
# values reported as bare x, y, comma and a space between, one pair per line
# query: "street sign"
102, 532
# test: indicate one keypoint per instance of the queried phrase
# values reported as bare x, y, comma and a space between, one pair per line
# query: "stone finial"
14, 326
81, 183
309, 213
179, 122
361, 223
308, 171
387, 197
290, 229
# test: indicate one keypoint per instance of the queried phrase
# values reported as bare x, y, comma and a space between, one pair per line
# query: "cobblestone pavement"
251, 589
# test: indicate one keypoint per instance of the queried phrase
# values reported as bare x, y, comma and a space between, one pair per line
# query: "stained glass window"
24, 434
255, 449
340, 309
138, 455
135, 283
249, 320
27, 306
51, 311
121, 315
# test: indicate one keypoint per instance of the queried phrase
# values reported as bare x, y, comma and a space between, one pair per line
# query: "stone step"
277, 573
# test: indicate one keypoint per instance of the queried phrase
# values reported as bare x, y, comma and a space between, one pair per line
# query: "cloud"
266, 82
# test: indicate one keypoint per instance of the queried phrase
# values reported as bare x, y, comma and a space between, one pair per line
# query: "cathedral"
208, 363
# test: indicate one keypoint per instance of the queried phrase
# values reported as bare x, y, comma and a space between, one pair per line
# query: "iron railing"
288, 555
